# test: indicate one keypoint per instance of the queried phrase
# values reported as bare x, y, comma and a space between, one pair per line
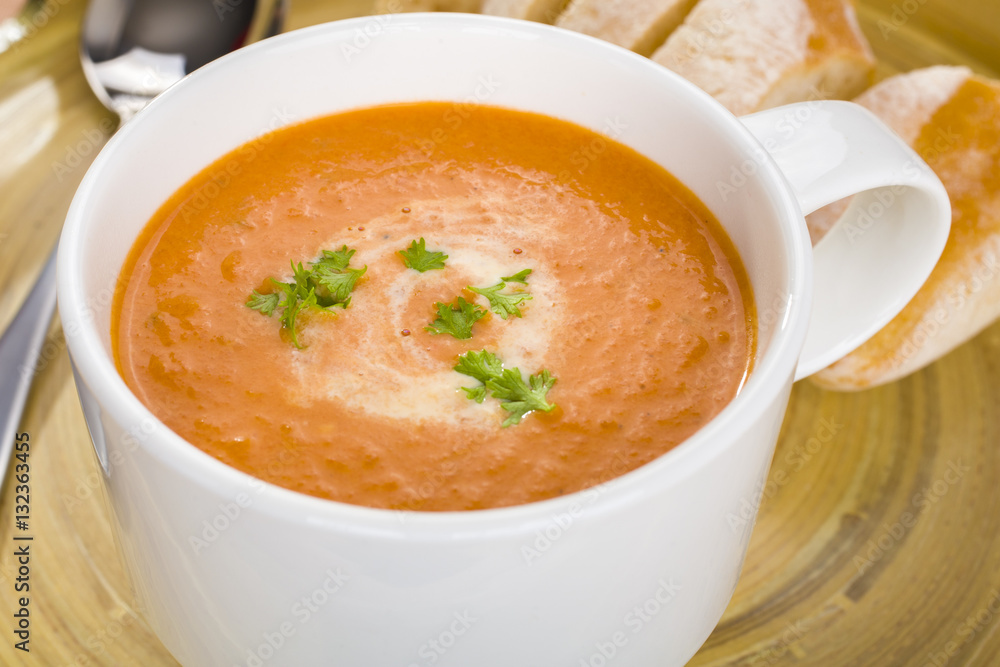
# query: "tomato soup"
634, 321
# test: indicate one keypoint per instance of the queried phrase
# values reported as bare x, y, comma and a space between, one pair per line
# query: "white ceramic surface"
232, 571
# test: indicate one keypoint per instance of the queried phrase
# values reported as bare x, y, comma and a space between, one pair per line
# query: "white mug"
229, 570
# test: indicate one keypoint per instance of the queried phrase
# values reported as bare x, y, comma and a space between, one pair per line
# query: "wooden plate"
878, 541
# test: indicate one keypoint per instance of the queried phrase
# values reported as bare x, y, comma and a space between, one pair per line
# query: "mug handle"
881, 251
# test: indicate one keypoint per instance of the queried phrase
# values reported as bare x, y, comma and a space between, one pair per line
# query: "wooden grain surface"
878, 540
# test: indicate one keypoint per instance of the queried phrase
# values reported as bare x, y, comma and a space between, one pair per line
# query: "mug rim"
773, 370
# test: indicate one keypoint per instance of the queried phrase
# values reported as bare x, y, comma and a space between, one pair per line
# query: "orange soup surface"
639, 308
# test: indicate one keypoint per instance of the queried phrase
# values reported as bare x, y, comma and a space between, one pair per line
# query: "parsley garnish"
516, 396
336, 288
265, 303
327, 283
336, 260
419, 258
456, 319
503, 305
333, 278
519, 277
298, 297
482, 366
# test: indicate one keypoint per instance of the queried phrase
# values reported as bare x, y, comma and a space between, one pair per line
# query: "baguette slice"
397, 6
952, 119
544, 11
639, 25
753, 55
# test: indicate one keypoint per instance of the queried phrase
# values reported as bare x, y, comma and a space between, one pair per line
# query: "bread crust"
639, 25
952, 119
753, 55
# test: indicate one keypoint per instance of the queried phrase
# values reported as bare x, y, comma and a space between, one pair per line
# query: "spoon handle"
20, 347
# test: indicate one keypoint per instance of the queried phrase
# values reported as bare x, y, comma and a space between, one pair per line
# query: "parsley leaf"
516, 396
477, 394
503, 305
335, 260
301, 277
265, 303
327, 283
419, 258
456, 319
519, 277
334, 288
482, 366
294, 304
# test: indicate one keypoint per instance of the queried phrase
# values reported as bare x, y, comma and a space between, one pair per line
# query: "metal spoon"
131, 51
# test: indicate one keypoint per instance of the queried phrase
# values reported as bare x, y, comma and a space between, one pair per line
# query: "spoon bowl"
133, 50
